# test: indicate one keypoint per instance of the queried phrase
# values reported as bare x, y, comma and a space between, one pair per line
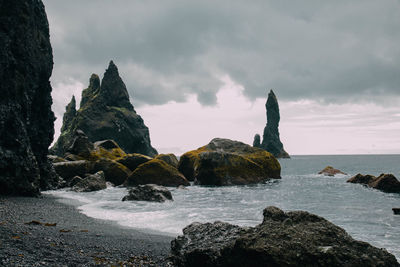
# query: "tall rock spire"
107, 113
70, 113
271, 140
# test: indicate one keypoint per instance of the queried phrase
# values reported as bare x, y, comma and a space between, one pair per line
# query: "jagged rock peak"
271, 140
113, 89
92, 90
70, 112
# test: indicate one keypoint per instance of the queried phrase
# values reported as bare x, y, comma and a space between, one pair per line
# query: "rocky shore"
45, 232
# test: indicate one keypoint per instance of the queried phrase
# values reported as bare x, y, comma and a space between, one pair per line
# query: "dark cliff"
26, 119
106, 113
271, 140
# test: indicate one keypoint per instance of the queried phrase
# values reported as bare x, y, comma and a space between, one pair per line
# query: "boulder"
157, 172
295, 238
80, 145
227, 162
75, 180
55, 159
132, 161
396, 211
271, 140
385, 182
70, 169
26, 119
106, 113
92, 182
361, 179
148, 192
114, 172
330, 171
106, 144
171, 159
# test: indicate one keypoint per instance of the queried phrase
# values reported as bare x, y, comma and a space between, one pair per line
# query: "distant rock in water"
148, 192
330, 171
26, 119
295, 238
271, 141
384, 182
106, 113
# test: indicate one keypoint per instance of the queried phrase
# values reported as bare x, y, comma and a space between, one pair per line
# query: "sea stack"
106, 113
26, 119
271, 141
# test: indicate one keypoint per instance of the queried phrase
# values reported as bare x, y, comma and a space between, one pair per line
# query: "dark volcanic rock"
148, 192
26, 119
396, 211
157, 172
69, 115
385, 182
330, 171
70, 169
171, 159
114, 172
227, 162
271, 141
92, 182
294, 238
106, 113
80, 145
132, 161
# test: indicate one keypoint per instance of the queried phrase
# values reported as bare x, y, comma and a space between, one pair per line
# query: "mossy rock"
70, 169
227, 162
114, 172
132, 161
157, 172
171, 159
102, 153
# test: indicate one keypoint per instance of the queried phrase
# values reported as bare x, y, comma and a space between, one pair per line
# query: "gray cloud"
334, 52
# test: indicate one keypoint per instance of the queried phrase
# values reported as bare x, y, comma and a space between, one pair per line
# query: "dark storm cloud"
166, 50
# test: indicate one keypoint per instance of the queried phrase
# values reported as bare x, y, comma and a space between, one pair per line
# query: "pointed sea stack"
26, 119
106, 113
271, 141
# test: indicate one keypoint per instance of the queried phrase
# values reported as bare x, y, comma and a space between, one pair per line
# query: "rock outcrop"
330, 171
106, 113
26, 119
271, 140
92, 182
227, 162
295, 238
385, 182
157, 172
171, 159
148, 192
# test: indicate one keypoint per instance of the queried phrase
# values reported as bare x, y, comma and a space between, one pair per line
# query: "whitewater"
366, 214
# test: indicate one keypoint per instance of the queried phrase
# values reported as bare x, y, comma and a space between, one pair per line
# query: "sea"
365, 213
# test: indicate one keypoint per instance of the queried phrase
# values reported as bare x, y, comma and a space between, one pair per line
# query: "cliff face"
271, 141
106, 113
26, 119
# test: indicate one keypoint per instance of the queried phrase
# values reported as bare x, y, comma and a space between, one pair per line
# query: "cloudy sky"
202, 69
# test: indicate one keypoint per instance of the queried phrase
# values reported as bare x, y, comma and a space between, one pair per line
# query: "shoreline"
75, 240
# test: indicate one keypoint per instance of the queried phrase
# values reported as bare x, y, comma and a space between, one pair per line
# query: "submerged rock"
295, 238
271, 140
106, 113
148, 192
330, 171
227, 162
385, 182
26, 119
92, 182
157, 172
396, 211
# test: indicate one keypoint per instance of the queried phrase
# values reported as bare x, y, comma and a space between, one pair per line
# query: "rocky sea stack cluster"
26, 119
271, 140
105, 113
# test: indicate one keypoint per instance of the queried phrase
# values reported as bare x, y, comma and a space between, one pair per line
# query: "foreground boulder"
132, 161
105, 113
148, 192
92, 182
271, 140
114, 172
330, 171
26, 119
295, 238
227, 162
385, 182
157, 172
69, 169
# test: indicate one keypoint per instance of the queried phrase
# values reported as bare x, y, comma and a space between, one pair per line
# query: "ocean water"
366, 214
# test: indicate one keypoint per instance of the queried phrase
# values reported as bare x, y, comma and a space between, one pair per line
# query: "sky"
196, 70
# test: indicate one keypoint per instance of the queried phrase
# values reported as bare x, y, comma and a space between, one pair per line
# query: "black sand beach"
75, 240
